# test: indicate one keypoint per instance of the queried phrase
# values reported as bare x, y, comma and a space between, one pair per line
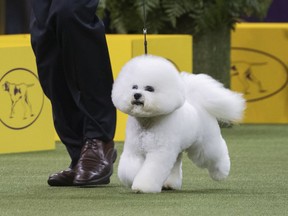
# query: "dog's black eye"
134, 87
149, 88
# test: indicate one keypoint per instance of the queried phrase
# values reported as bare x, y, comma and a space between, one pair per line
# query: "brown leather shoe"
62, 178
95, 165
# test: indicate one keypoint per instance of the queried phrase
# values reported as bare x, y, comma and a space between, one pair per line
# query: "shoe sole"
56, 183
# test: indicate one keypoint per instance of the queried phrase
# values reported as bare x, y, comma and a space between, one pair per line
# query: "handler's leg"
68, 119
89, 77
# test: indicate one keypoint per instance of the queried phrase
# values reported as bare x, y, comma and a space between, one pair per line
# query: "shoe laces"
89, 144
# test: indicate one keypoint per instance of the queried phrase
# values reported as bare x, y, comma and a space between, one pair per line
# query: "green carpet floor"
257, 185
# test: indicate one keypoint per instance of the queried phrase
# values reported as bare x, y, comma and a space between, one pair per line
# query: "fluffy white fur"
169, 113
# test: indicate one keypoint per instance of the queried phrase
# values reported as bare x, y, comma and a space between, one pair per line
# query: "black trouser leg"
74, 70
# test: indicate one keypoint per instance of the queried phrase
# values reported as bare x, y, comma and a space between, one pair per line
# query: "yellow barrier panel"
25, 114
259, 70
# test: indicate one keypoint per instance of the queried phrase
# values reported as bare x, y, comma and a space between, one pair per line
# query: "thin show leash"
144, 27
145, 33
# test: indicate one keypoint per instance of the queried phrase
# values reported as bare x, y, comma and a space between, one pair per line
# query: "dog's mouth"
137, 103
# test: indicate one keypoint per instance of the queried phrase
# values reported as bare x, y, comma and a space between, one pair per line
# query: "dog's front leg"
129, 165
154, 172
13, 103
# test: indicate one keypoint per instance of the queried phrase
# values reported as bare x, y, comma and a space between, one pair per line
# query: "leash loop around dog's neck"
144, 27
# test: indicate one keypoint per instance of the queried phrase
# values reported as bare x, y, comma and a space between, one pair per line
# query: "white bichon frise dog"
169, 113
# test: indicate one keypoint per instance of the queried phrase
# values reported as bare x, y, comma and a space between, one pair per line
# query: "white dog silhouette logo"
21, 98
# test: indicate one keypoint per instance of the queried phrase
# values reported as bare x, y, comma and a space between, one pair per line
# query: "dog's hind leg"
213, 155
29, 104
174, 180
24, 108
219, 167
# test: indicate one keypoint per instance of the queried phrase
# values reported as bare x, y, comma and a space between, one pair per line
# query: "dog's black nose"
137, 96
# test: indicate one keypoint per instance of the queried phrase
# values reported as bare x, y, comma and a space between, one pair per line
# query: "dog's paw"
171, 187
218, 175
220, 170
173, 183
146, 189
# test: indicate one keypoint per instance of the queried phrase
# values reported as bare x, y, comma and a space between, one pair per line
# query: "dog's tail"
205, 92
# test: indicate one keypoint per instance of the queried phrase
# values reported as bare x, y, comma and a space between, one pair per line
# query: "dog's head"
148, 86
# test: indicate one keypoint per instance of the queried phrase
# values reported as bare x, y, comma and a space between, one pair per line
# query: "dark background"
17, 15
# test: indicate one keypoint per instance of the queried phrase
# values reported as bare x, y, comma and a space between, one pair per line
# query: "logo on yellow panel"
21, 98
257, 74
